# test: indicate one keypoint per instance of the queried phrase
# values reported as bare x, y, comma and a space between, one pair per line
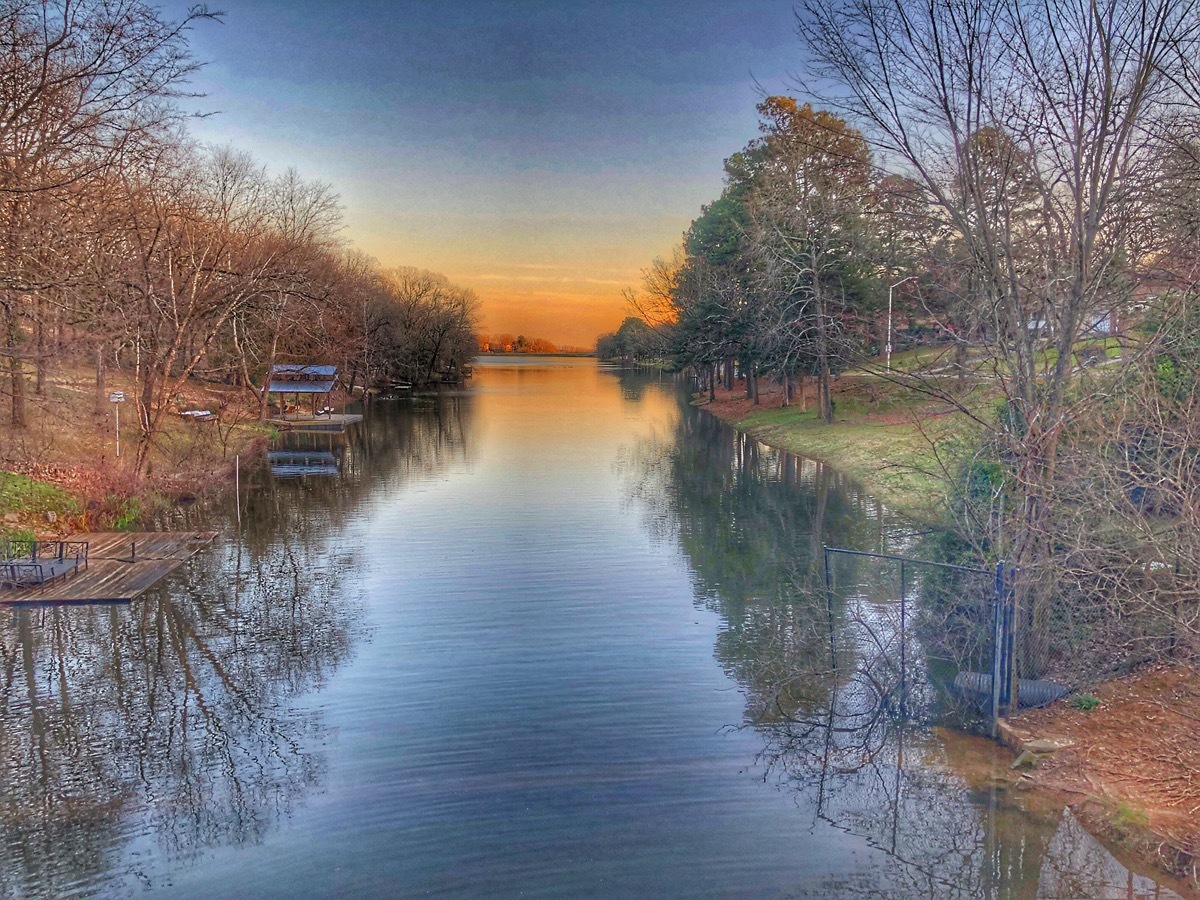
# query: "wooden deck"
121, 565
331, 422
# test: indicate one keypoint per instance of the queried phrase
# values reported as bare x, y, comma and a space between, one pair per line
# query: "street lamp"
892, 287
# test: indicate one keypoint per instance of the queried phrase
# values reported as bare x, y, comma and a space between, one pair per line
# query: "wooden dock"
120, 567
332, 422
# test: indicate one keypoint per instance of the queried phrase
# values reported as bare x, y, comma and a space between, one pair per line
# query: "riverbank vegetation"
898, 452
1007, 239
166, 267
985, 212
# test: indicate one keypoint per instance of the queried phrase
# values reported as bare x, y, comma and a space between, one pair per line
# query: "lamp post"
892, 287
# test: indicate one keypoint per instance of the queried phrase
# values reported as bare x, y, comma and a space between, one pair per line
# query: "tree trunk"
101, 381
40, 336
824, 396
16, 368
960, 362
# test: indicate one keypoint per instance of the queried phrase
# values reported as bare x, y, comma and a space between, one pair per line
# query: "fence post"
998, 645
903, 643
833, 660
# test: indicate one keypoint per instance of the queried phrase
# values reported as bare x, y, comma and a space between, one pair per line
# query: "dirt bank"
1132, 762
61, 474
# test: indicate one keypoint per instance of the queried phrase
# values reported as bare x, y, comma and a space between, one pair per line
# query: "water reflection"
525, 701
135, 737
302, 454
842, 708
168, 718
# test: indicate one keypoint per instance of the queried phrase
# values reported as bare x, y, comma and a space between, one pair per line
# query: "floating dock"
331, 422
120, 567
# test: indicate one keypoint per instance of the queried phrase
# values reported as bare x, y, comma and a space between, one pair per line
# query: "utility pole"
892, 287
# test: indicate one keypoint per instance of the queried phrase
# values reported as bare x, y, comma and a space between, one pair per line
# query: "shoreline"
894, 455
880, 450
884, 457
60, 474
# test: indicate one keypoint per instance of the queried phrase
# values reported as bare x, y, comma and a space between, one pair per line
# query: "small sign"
116, 397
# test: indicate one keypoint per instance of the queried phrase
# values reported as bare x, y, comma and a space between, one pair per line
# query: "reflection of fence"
908, 652
924, 638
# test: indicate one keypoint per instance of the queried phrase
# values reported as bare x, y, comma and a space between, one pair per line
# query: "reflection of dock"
120, 567
330, 422
295, 463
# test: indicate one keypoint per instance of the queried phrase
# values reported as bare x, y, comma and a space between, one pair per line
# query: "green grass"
19, 494
1084, 702
917, 358
896, 463
1125, 819
129, 513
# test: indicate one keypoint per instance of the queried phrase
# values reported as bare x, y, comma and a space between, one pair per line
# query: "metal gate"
918, 637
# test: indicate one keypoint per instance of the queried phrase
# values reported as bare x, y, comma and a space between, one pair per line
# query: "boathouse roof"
295, 463
293, 378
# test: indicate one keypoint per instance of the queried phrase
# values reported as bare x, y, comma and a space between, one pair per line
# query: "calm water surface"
555, 635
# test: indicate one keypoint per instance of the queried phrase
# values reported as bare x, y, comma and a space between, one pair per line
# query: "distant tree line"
1020, 180
124, 244
508, 343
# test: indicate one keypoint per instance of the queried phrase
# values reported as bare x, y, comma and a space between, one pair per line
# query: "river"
554, 634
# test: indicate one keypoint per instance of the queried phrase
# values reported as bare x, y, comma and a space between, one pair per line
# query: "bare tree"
430, 323
306, 220
1034, 128
201, 248
81, 82
808, 231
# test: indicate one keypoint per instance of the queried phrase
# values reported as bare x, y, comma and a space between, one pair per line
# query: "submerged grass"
901, 464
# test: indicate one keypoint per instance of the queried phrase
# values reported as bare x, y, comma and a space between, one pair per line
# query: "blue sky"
541, 153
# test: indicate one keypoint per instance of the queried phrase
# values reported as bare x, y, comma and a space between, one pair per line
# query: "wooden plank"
121, 566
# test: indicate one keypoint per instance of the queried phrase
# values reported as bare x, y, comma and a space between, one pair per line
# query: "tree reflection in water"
823, 681
174, 718
171, 715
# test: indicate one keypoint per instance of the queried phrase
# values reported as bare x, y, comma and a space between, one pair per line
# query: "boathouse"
299, 381
303, 398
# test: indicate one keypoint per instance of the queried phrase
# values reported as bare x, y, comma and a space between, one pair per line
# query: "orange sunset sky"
540, 153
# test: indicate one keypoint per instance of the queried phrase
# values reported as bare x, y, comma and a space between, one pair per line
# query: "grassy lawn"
24, 500
917, 358
899, 463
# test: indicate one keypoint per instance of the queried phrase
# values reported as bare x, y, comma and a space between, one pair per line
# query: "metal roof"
300, 387
291, 378
304, 371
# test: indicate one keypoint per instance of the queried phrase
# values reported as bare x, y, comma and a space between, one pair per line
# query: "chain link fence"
933, 641
1077, 628
915, 637
928, 640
